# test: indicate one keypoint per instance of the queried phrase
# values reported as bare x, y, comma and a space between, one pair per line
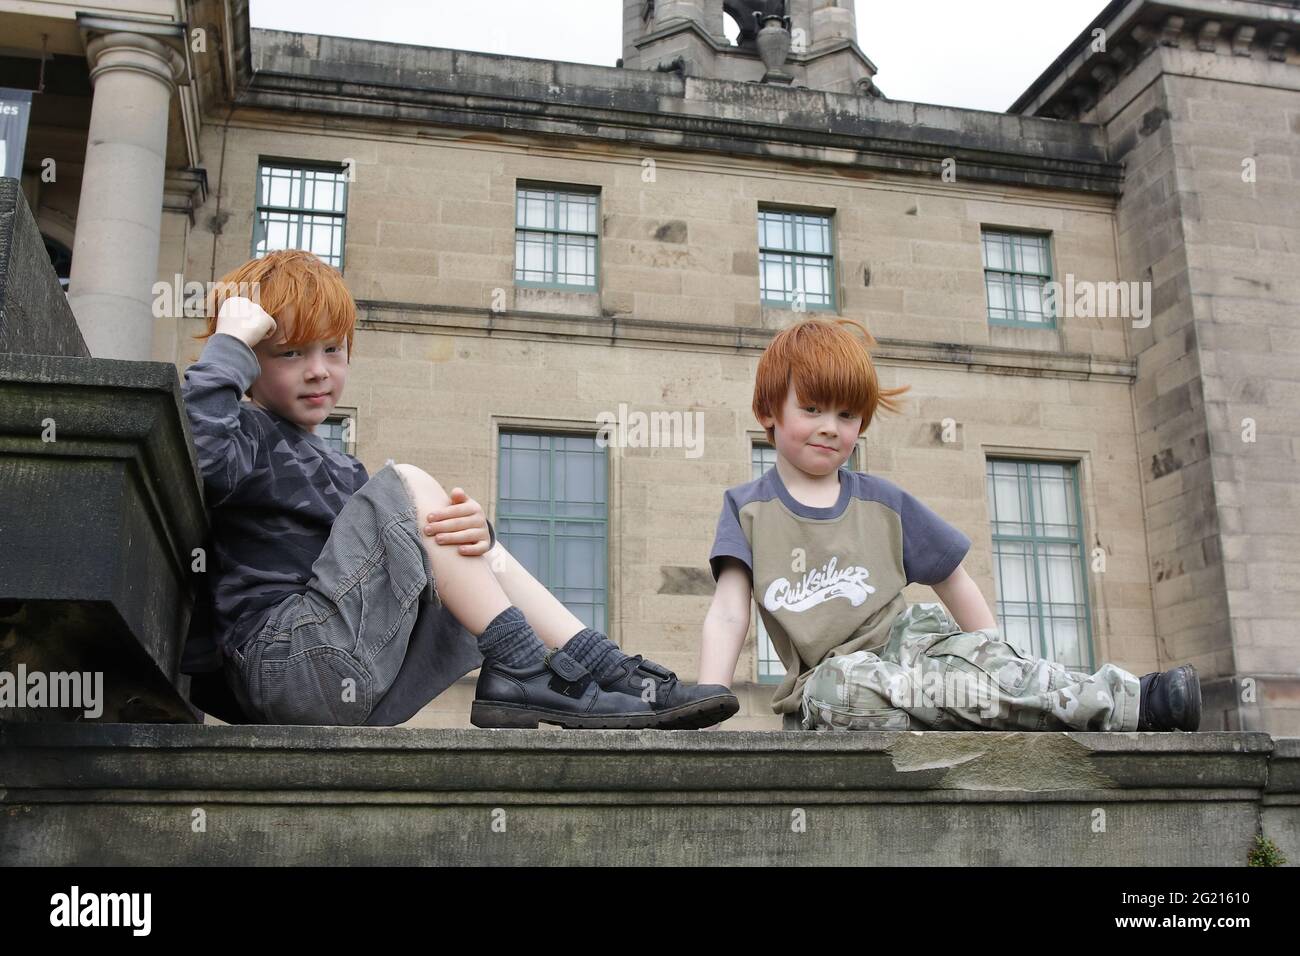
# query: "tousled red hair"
323, 307
828, 365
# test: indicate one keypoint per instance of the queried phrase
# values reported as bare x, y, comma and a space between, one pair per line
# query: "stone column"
833, 20
115, 256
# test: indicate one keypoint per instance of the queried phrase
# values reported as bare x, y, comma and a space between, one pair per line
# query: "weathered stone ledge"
95, 794
1037, 363
363, 80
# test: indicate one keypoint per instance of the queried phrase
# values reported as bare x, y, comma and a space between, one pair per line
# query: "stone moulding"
312, 795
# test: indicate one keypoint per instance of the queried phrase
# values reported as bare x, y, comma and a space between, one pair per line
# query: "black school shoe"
1170, 700
561, 691
700, 705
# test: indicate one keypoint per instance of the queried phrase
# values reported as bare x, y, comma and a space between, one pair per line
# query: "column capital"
144, 46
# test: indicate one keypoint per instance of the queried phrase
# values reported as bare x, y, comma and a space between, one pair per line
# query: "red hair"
323, 307
829, 367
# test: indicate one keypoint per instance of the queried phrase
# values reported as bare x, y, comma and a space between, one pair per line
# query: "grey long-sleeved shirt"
272, 490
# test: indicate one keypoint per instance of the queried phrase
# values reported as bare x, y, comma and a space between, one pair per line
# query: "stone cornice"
362, 81
647, 333
1070, 87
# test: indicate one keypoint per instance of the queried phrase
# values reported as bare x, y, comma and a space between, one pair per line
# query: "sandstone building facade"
1092, 295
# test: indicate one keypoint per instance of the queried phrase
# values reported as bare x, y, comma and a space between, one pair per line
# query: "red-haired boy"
331, 604
826, 552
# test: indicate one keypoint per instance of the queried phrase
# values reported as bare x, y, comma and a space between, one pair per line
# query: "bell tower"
809, 43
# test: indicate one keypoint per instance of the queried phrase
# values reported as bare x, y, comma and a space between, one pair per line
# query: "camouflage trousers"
931, 675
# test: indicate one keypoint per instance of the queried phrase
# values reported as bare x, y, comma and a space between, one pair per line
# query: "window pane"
816, 280
314, 202
1038, 548
773, 272
1010, 501
279, 186
564, 255
794, 232
1000, 297
788, 268
559, 534
1054, 507
537, 211
577, 260
535, 255
1032, 255
579, 213
815, 235
334, 433
773, 232
1017, 265
997, 251
1031, 298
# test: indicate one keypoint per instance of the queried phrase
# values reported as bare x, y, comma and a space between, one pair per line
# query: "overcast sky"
980, 54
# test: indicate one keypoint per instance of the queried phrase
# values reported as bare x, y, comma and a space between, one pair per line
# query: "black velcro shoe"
695, 705
560, 691
1170, 700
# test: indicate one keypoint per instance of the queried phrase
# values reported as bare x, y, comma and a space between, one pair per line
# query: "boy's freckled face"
814, 439
291, 376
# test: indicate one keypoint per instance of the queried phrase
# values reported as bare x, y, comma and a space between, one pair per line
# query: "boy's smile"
301, 384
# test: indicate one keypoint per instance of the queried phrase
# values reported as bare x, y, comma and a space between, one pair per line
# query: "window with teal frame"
1016, 268
770, 668
301, 206
336, 431
553, 516
556, 238
1038, 560
796, 258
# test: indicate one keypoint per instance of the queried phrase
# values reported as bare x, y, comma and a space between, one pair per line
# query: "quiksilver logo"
818, 586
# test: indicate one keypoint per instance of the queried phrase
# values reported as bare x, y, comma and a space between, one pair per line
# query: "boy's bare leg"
550, 620
478, 591
466, 585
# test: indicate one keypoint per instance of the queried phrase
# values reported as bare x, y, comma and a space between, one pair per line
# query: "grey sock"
510, 641
596, 652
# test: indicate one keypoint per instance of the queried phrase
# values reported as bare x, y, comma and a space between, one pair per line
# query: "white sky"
979, 54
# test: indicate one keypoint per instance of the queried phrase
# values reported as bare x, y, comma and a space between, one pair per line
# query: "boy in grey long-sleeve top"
330, 602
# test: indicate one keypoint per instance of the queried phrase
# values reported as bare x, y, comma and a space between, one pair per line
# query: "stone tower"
689, 36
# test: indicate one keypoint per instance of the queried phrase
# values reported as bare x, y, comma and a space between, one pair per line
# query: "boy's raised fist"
245, 320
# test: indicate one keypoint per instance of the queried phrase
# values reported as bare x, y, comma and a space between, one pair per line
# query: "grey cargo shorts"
369, 641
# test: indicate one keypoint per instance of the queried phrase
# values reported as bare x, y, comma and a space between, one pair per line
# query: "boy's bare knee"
422, 485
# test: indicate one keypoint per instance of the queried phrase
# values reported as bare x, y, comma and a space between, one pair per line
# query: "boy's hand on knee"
245, 320
461, 523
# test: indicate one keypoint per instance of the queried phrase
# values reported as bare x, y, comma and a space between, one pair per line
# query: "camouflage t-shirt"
829, 581
272, 490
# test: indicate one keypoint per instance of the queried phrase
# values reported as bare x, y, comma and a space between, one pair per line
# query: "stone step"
171, 794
